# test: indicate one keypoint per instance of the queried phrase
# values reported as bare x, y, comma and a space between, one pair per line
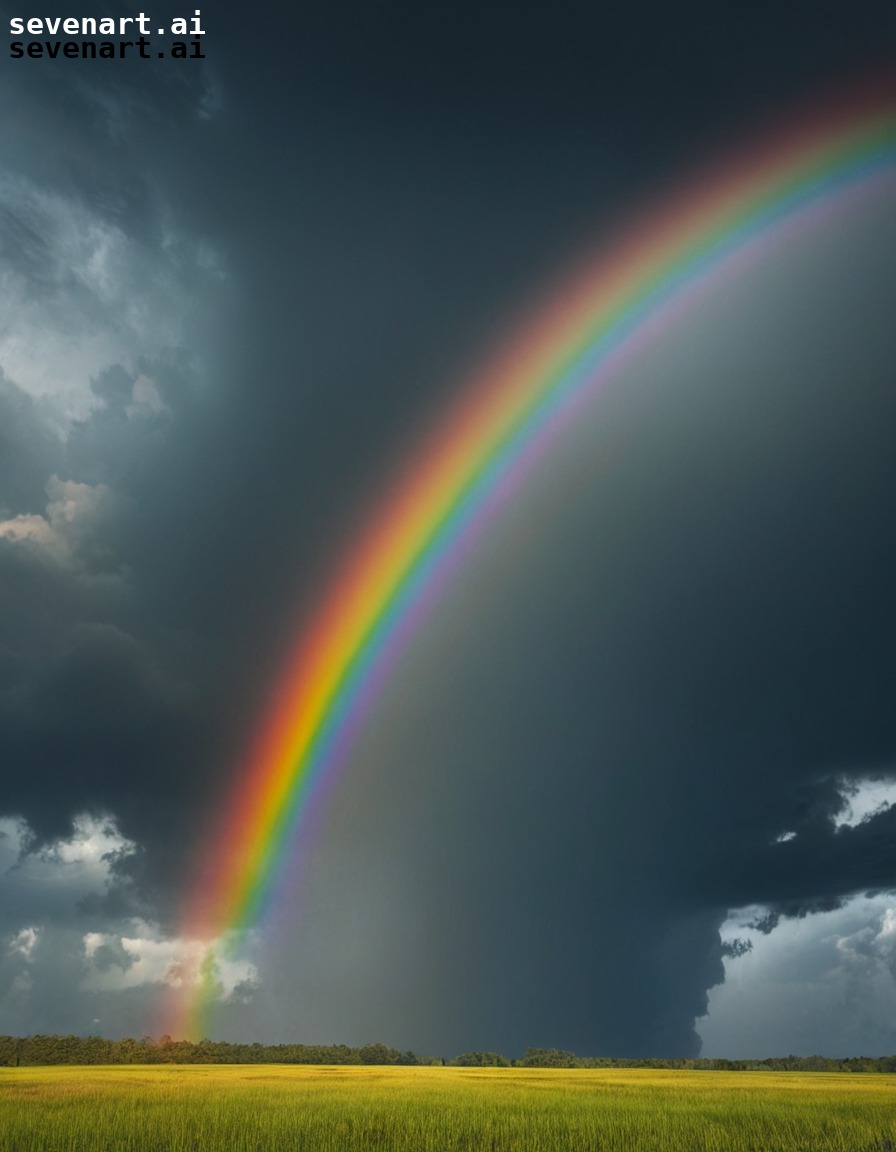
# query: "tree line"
18, 1051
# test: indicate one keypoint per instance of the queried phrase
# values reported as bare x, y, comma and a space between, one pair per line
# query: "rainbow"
510, 416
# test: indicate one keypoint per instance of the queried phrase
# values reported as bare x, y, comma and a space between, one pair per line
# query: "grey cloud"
77, 949
819, 985
27, 451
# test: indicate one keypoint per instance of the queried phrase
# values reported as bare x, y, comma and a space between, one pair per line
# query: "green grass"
264, 1108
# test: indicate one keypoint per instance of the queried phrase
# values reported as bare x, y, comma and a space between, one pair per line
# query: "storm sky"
629, 791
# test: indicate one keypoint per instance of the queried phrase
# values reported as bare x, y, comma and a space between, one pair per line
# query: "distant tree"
42, 1049
481, 1060
548, 1058
378, 1054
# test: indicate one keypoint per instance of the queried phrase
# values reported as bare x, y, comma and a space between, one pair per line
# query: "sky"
632, 788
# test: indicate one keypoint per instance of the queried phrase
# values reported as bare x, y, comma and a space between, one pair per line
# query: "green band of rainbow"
508, 419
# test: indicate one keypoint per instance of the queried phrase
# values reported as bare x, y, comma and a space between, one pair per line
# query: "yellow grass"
275, 1108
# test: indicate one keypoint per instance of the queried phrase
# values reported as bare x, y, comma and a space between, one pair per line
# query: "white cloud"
145, 956
93, 844
866, 798
24, 942
54, 879
64, 533
48, 958
146, 401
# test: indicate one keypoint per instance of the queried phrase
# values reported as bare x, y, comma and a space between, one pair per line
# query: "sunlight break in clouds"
866, 798
63, 533
48, 893
824, 984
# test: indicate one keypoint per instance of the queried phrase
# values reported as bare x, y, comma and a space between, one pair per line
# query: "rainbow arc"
507, 419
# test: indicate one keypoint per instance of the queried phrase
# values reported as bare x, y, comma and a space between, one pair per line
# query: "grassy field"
264, 1108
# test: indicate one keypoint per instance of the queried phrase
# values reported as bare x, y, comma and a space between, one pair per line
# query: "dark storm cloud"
663, 660
85, 721
816, 869
342, 207
108, 285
